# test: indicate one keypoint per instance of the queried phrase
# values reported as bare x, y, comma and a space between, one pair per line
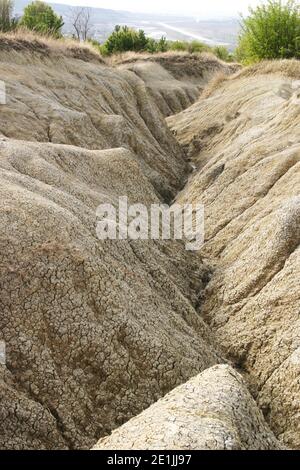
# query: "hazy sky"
201, 8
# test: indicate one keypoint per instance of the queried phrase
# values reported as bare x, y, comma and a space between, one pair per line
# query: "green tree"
141, 42
271, 31
162, 45
125, 39
151, 45
7, 21
40, 17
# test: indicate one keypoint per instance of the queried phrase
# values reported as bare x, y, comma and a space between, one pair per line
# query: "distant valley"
213, 32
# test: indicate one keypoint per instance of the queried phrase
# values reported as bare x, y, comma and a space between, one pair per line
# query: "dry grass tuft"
286, 67
130, 57
181, 65
29, 41
214, 84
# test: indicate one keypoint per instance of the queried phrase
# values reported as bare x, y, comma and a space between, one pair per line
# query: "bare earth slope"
95, 332
59, 99
213, 411
245, 140
174, 80
88, 326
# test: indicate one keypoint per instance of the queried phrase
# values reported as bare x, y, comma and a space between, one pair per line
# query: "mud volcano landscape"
142, 344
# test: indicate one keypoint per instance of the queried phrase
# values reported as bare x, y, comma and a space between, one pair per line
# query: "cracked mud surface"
96, 332
253, 232
212, 411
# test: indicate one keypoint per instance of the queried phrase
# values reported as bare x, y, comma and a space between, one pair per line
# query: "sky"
198, 8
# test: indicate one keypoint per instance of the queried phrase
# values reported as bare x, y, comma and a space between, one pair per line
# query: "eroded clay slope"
244, 138
56, 98
95, 332
213, 411
175, 80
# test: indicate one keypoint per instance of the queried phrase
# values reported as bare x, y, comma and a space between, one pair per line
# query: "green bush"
151, 45
157, 46
198, 47
243, 52
178, 46
40, 17
162, 45
125, 39
271, 31
222, 53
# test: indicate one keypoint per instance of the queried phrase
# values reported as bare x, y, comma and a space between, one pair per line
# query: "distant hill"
221, 31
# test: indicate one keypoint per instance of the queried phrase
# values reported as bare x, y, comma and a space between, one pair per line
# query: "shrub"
125, 39
40, 17
151, 45
222, 53
162, 45
197, 46
271, 31
192, 47
243, 52
179, 46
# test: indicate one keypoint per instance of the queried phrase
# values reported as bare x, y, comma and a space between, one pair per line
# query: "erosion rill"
98, 332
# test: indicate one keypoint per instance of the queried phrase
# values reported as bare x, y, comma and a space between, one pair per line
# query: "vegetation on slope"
271, 31
124, 39
40, 17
